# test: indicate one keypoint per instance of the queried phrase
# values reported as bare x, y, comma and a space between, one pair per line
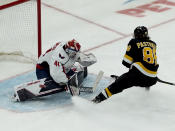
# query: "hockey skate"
15, 98
99, 98
22, 95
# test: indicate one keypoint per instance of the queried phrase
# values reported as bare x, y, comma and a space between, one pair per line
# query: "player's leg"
42, 72
122, 82
144, 81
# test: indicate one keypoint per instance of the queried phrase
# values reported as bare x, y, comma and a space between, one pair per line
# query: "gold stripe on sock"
108, 92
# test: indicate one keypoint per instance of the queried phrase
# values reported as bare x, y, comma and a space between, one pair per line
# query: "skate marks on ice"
47, 102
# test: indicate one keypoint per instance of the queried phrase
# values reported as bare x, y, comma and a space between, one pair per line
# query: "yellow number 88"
149, 55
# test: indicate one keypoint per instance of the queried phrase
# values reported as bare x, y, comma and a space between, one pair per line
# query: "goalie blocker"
44, 87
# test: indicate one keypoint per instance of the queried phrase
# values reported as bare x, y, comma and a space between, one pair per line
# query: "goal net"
20, 30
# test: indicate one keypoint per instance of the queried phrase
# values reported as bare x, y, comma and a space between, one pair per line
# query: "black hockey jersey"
142, 55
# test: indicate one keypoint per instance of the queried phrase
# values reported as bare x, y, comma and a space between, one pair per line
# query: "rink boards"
47, 102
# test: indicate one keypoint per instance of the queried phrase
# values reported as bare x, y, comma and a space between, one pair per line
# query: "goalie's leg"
75, 82
47, 86
35, 89
51, 87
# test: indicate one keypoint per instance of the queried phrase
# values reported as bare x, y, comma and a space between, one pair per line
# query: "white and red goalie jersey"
60, 59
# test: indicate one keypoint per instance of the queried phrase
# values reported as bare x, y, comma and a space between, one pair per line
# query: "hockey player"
57, 64
141, 59
55, 70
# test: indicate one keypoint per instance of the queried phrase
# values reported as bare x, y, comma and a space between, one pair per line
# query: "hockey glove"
70, 73
114, 77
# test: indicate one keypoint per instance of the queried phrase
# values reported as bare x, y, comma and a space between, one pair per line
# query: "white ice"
102, 31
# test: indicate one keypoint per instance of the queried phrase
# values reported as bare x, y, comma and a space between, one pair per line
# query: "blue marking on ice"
128, 1
44, 103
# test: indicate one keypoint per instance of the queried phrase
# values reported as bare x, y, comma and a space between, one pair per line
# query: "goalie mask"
72, 47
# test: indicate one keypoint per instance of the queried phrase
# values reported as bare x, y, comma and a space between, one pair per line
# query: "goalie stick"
95, 84
99, 77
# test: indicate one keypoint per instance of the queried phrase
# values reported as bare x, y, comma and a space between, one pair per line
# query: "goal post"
20, 24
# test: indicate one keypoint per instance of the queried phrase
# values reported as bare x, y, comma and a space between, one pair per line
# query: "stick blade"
98, 78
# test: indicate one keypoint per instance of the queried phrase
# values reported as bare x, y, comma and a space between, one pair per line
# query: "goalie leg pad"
36, 89
77, 79
23, 95
75, 82
51, 87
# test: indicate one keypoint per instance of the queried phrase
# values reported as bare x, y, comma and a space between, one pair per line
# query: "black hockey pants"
132, 78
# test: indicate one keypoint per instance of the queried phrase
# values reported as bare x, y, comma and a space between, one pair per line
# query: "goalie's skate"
22, 94
15, 98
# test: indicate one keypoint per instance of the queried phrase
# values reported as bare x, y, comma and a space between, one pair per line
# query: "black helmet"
141, 32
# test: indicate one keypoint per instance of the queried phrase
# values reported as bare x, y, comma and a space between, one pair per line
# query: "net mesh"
19, 32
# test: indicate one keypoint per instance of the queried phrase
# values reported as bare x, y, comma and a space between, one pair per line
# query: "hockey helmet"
141, 32
72, 47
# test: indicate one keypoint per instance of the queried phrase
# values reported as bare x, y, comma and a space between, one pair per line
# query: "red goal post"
20, 25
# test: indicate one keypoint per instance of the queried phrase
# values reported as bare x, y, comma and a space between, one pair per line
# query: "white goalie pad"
33, 87
81, 85
87, 59
37, 88
43, 87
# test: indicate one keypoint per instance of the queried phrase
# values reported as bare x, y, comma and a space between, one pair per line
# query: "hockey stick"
91, 89
99, 76
162, 81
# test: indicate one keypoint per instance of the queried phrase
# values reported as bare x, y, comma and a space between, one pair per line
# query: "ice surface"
97, 26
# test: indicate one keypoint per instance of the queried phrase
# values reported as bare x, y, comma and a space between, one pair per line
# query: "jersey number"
149, 55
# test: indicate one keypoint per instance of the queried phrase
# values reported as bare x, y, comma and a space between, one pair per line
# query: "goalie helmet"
141, 32
72, 47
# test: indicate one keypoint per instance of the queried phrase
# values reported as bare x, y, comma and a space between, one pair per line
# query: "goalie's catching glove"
87, 59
